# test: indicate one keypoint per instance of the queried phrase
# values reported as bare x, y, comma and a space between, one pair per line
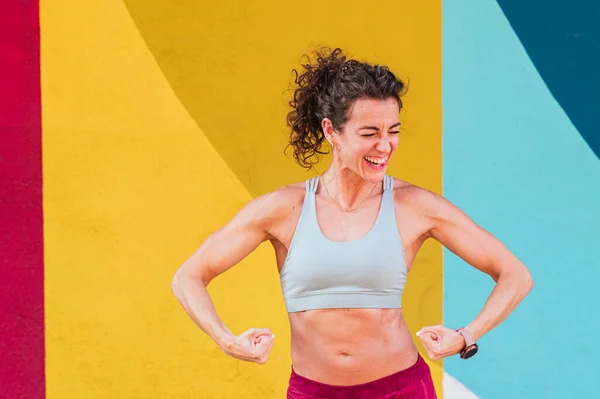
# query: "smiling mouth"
376, 161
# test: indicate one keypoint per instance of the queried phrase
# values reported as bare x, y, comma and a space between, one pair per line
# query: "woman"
344, 243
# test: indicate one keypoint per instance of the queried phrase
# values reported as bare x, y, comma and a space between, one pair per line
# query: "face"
368, 139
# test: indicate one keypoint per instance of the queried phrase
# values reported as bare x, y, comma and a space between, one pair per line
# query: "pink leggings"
414, 382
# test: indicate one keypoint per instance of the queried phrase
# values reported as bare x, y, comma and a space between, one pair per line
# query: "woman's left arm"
461, 235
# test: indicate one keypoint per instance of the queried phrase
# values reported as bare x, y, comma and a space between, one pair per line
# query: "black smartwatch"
471, 347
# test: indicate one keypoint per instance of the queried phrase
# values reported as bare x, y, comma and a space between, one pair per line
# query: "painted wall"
159, 121
521, 144
138, 128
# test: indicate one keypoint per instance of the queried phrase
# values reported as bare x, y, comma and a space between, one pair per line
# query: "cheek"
394, 143
360, 150
353, 149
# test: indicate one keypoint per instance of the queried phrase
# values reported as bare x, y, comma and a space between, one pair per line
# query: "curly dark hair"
327, 88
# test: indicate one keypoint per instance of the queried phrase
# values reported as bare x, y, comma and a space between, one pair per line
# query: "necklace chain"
337, 203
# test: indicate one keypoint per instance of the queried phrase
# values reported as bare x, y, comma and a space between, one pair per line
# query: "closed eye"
373, 134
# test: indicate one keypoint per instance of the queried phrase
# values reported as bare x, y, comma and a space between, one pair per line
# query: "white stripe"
454, 389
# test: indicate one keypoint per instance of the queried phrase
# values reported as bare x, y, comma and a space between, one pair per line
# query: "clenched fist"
440, 341
253, 345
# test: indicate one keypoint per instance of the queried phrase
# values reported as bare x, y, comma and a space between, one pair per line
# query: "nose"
384, 145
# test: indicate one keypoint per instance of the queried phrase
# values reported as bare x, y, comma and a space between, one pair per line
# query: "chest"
337, 225
340, 226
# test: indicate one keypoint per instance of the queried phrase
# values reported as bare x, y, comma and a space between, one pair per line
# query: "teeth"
378, 161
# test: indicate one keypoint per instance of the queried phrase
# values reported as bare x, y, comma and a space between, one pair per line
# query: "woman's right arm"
221, 251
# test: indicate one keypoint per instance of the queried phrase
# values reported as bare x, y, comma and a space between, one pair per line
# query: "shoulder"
271, 207
423, 201
412, 194
283, 197
435, 210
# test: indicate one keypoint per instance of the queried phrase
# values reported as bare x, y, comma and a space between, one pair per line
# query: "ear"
327, 128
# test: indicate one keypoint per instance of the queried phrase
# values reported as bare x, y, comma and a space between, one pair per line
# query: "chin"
374, 176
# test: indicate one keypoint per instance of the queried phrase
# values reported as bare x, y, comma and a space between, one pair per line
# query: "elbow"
528, 281
181, 281
519, 278
524, 281
178, 284
175, 285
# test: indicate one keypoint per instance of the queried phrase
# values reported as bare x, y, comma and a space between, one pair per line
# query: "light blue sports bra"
369, 272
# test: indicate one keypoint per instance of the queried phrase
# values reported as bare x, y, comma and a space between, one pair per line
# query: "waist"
408, 382
350, 346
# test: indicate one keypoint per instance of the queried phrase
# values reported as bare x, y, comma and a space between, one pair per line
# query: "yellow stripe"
132, 185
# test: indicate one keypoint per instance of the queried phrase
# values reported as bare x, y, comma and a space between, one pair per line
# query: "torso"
350, 346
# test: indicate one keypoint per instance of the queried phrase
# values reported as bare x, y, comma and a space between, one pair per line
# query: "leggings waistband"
416, 375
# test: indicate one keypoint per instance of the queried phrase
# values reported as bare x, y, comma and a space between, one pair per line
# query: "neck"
347, 188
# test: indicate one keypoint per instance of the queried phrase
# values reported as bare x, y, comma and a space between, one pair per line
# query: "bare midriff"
350, 346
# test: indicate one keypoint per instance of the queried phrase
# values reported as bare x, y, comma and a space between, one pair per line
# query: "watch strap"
467, 336
471, 347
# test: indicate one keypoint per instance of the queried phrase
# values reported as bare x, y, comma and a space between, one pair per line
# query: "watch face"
469, 352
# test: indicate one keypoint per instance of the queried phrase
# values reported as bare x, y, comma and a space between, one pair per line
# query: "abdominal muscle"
350, 346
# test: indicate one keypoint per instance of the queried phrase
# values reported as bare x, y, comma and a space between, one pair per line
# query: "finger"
426, 341
429, 343
431, 348
266, 345
262, 342
260, 338
263, 350
256, 332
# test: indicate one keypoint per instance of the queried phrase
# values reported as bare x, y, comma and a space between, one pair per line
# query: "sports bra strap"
388, 183
311, 184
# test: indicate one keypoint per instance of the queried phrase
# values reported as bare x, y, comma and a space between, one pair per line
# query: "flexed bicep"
218, 253
460, 234
250, 227
231, 243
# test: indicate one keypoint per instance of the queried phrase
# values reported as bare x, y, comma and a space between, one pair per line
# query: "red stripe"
21, 235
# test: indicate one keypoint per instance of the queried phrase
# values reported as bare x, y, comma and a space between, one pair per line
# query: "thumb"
429, 332
440, 330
